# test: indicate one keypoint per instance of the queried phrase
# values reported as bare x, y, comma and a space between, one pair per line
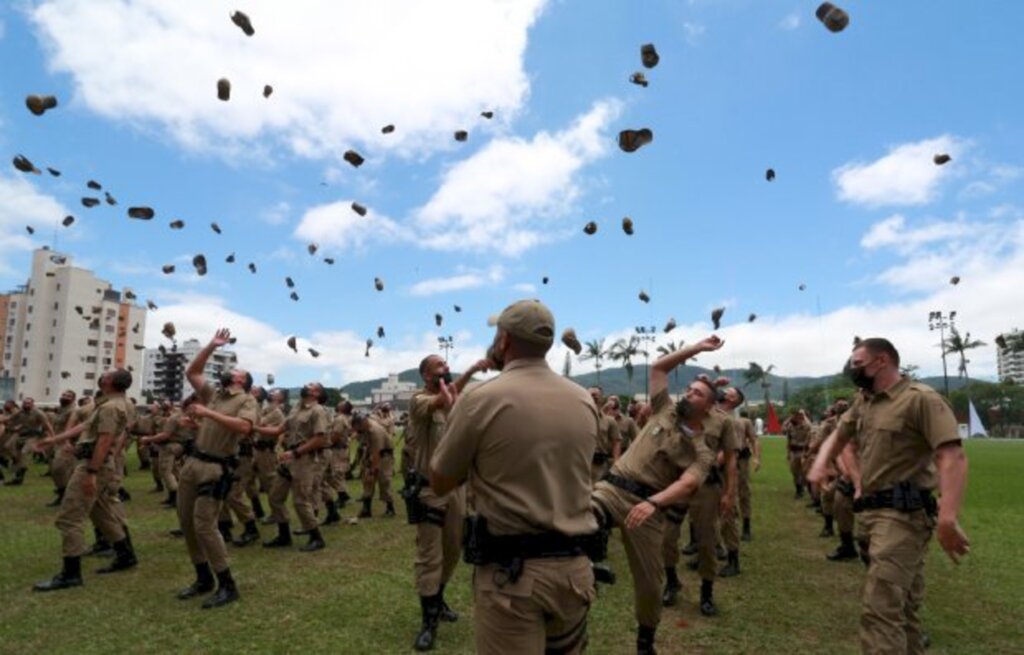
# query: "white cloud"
893, 233
24, 205
693, 32
340, 70
466, 279
336, 225
509, 195
905, 176
276, 215
524, 287
790, 22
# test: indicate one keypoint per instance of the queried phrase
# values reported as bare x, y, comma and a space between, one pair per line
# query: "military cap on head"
529, 320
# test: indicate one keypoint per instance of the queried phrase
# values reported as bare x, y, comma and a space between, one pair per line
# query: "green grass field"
357, 596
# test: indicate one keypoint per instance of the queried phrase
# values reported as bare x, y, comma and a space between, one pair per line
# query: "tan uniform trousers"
828, 495
114, 486
21, 451
142, 451
842, 509
704, 516
334, 474
743, 469
643, 545
796, 465
76, 507
238, 498
169, 453
730, 524
303, 473
890, 622
438, 546
544, 611
382, 481
670, 539
63, 465
198, 513
265, 466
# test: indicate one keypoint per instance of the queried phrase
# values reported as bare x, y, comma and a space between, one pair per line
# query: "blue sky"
849, 122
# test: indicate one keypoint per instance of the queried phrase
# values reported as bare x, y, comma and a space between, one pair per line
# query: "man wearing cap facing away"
525, 441
665, 466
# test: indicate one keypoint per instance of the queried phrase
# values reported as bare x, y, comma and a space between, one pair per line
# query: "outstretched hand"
221, 337
449, 394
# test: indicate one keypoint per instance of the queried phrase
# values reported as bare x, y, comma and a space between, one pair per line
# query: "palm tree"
670, 348
755, 373
955, 343
910, 371
596, 351
624, 351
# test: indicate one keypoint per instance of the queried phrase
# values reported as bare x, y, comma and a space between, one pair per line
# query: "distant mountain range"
615, 381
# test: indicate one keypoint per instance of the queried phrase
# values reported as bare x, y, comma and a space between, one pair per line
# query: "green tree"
999, 405
624, 350
815, 399
596, 351
955, 343
757, 374
668, 349
910, 370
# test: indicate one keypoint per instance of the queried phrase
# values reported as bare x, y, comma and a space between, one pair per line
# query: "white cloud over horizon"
905, 176
353, 74
24, 205
464, 279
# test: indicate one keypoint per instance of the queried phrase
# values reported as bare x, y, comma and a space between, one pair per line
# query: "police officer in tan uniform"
438, 519
729, 400
63, 462
664, 467
340, 437
377, 464
798, 436
750, 458
84, 496
907, 447
305, 435
609, 444
24, 428
265, 455
825, 491
628, 429
225, 415
524, 440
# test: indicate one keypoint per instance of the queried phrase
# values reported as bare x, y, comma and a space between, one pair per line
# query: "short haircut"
526, 348
424, 362
120, 379
703, 379
878, 346
739, 392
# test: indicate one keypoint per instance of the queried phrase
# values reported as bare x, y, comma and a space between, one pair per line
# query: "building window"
93, 343
53, 340
51, 357
91, 359
24, 362
49, 375
110, 313
23, 379
106, 361
58, 286
30, 309
88, 376
108, 344
108, 328
28, 326
47, 391
56, 305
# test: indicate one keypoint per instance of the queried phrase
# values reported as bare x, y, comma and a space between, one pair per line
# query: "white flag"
977, 428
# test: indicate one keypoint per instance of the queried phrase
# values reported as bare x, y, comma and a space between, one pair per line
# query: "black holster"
845, 487
416, 510
84, 450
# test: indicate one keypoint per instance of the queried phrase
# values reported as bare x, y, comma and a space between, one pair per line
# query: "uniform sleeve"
422, 406
660, 401
937, 422
108, 420
847, 426
321, 423
706, 458
206, 393
614, 436
731, 436
171, 425
249, 411
274, 418
457, 449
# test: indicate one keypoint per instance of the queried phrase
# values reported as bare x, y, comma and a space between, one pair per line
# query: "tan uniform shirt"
607, 435
720, 431
663, 450
304, 423
525, 440
145, 426
109, 417
628, 430
180, 433
31, 424
212, 437
270, 417
897, 432
799, 435
375, 440
748, 435
340, 432
425, 429
63, 417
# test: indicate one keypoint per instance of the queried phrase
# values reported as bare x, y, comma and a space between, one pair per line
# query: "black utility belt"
600, 458
746, 453
481, 547
904, 497
714, 476
265, 445
638, 489
84, 450
797, 449
227, 461
245, 449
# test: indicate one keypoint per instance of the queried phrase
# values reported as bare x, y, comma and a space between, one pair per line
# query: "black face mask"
860, 378
64, 402
447, 377
684, 409
226, 378
305, 393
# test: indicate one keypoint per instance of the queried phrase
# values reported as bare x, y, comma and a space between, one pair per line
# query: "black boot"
747, 536
367, 511
123, 495
430, 609
250, 535
645, 640
202, 585
257, 506
124, 558
316, 541
227, 592
732, 568
672, 587
389, 510
799, 491
448, 615
707, 599
19, 478
845, 551
827, 531
101, 547
343, 499
158, 488
69, 576
815, 502
864, 556
58, 500
332, 514
691, 548
144, 465
171, 502
224, 528
283, 539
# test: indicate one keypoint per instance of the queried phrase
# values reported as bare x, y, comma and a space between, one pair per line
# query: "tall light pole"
446, 344
939, 321
646, 334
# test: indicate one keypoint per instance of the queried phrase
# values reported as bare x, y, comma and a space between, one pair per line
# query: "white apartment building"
1010, 362
63, 328
164, 371
395, 392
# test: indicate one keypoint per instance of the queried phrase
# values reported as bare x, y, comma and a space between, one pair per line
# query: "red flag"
772, 425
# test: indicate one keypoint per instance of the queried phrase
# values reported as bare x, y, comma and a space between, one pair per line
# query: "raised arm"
662, 366
194, 373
